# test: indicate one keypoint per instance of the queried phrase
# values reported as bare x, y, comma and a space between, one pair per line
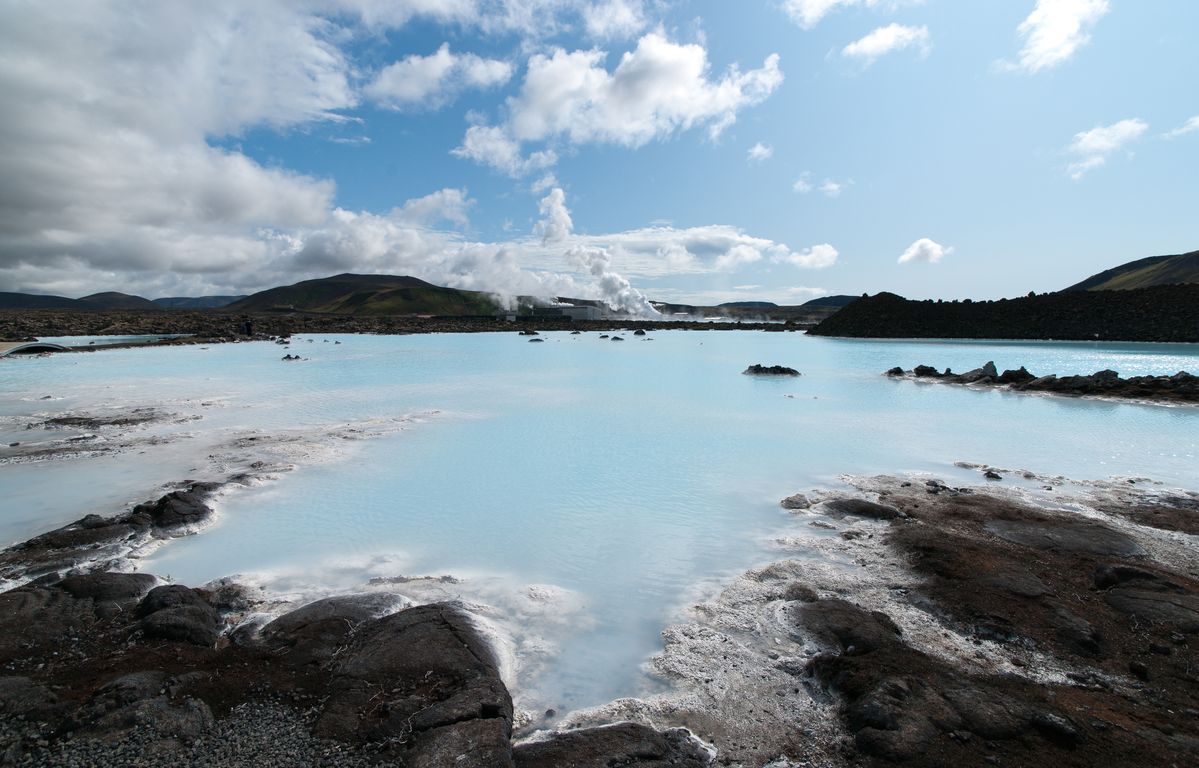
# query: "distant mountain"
830, 301
350, 294
36, 301
1159, 313
748, 305
115, 300
196, 302
1144, 273
110, 300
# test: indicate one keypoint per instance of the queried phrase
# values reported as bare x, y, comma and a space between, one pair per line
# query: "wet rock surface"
101, 669
1180, 387
1058, 593
95, 538
623, 744
1011, 633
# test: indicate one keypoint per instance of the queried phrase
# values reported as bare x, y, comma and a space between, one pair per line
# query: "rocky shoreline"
1004, 624
1181, 387
213, 325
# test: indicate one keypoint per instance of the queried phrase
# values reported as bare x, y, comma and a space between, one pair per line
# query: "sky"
697, 152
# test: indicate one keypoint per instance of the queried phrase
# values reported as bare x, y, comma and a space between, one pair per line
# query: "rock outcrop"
1179, 387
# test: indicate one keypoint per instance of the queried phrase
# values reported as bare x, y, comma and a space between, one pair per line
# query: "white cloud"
547, 181
614, 18
925, 250
832, 188
1055, 30
1093, 147
816, 257
1190, 126
491, 145
429, 82
115, 175
803, 185
808, 13
884, 40
654, 252
657, 89
445, 205
760, 153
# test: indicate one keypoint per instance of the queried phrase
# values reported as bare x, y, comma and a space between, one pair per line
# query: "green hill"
196, 302
350, 294
36, 301
116, 300
1145, 273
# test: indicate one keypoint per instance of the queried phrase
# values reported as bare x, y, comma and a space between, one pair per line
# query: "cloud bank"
109, 186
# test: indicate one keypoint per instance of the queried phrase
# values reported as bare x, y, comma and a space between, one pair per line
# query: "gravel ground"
263, 735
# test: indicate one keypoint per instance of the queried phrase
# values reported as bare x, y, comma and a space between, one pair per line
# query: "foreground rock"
1180, 387
974, 627
1037, 591
95, 668
95, 539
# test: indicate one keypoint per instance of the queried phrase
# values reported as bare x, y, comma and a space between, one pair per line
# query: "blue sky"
687, 151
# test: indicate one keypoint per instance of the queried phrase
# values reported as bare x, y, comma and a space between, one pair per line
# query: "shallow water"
631, 477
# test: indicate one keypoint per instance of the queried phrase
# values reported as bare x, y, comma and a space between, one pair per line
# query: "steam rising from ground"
614, 288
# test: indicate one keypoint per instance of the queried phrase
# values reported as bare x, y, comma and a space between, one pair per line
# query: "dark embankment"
1162, 313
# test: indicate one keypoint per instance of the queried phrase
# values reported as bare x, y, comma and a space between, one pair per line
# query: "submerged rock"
795, 501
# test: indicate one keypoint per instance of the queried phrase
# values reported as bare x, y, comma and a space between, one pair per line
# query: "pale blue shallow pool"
625, 472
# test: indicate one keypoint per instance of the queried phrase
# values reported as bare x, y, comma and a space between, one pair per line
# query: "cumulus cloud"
808, 13
1054, 32
884, 40
119, 170
103, 178
925, 250
429, 82
656, 90
760, 153
1190, 126
614, 18
1093, 147
816, 257
803, 185
443, 206
490, 145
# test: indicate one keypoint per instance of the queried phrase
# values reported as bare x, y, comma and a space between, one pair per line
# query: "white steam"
614, 288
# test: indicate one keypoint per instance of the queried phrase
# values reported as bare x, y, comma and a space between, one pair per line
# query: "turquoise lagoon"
632, 477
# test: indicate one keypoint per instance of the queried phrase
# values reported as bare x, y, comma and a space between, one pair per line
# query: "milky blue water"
103, 341
625, 473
